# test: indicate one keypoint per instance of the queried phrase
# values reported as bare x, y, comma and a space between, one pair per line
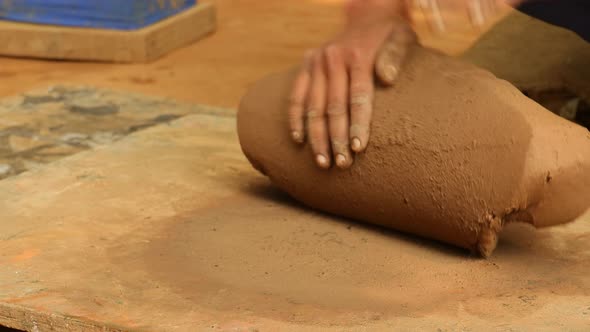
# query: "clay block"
455, 154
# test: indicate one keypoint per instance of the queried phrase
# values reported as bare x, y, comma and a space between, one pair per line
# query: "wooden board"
170, 229
104, 14
144, 45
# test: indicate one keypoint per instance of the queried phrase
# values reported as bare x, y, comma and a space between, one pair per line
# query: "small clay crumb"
548, 178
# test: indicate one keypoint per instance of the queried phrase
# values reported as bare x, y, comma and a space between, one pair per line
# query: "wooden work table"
170, 229
164, 226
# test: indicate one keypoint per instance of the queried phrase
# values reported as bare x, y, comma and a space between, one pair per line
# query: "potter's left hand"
332, 97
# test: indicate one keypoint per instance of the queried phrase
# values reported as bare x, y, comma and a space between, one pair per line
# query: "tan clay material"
455, 154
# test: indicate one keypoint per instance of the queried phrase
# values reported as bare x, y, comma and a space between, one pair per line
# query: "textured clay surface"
455, 154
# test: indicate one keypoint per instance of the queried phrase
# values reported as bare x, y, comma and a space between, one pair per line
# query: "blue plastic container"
104, 14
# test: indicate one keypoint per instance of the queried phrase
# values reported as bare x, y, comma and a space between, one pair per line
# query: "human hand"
331, 102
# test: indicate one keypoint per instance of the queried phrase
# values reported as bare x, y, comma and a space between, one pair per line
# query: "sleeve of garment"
570, 14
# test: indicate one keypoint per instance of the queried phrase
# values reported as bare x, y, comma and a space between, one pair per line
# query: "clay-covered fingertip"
388, 74
297, 136
342, 161
322, 161
356, 145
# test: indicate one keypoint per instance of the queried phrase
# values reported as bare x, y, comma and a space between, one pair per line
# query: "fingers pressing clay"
393, 53
317, 126
337, 108
297, 100
361, 105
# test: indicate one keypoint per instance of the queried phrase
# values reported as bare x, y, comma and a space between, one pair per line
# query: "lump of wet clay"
455, 154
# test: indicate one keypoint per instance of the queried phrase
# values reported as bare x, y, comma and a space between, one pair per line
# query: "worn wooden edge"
85, 44
28, 319
105, 14
172, 33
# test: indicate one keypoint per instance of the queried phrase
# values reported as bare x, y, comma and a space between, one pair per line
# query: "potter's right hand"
332, 96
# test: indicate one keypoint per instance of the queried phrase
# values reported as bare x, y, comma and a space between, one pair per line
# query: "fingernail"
340, 160
391, 73
296, 136
356, 144
322, 161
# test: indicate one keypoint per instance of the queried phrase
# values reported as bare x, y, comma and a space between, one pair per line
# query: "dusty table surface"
170, 229
44, 125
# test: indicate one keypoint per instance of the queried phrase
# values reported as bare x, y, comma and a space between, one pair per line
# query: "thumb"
392, 54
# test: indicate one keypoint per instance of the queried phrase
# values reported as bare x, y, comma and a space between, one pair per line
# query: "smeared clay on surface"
455, 154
